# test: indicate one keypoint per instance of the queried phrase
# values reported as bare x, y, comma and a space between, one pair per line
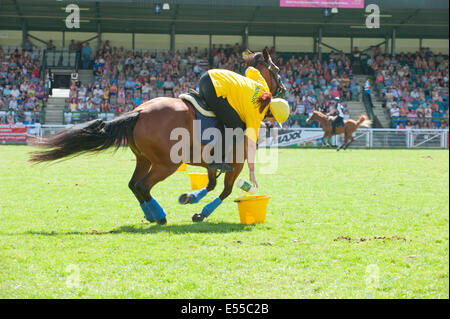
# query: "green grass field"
354, 224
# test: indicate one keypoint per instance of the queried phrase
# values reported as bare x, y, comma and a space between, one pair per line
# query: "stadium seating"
23, 94
124, 79
414, 88
171, 75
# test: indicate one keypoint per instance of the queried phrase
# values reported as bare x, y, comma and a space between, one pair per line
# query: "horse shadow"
154, 229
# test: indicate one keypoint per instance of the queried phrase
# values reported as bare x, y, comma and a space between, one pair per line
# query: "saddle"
206, 117
197, 102
335, 123
334, 119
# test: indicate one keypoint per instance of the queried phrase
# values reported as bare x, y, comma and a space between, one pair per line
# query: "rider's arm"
252, 136
251, 155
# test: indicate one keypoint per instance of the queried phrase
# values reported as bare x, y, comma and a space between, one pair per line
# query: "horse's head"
312, 117
262, 61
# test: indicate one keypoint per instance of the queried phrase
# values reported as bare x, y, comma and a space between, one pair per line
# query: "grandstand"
126, 53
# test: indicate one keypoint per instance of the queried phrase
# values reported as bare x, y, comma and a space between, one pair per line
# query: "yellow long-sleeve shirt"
242, 93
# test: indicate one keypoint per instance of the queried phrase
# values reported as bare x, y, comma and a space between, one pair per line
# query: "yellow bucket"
252, 209
198, 180
182, 167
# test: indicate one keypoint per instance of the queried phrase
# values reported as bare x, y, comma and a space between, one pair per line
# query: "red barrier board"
11, 133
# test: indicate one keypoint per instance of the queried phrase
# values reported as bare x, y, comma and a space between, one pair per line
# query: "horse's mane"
320, 114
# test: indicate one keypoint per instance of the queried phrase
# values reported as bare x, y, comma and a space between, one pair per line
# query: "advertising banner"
293, 137
11, 133
349, 4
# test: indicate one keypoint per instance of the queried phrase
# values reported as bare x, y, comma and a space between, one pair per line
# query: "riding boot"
223, 166
333, 127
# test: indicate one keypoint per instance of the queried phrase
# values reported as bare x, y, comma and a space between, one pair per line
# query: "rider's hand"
253, 179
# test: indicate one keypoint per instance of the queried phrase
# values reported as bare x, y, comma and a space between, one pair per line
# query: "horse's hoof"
196, 218
150, 220
185, 199
161, 221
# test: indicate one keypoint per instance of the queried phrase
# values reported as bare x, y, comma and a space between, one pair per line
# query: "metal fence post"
410, 139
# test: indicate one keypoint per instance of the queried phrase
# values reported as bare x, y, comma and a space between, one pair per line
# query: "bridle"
281, 90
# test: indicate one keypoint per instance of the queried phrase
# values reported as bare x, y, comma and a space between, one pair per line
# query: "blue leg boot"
207, 210
155, 211
198, 195
147, 212
193, 198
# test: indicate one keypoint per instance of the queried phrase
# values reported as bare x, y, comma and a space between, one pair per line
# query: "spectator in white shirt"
395, 111
98, 91
13, 104
15, 92
74, 77
415, 94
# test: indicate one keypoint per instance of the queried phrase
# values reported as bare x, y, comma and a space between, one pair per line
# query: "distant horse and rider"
337, 125
147, 131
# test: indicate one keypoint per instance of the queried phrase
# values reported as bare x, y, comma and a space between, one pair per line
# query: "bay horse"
147, 130
350, 127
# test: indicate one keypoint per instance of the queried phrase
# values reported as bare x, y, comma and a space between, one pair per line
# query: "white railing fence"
363, 138
301, 137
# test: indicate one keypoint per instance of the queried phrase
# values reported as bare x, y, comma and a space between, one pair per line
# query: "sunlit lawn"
353, 224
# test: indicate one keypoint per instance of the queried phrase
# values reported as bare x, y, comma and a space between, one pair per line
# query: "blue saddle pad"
205, 123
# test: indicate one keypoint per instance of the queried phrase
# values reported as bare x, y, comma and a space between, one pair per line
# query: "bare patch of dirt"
342, 238
269, 243
362, 239
96, 232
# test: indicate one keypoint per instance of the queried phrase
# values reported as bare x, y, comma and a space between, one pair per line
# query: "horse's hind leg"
194, 198
329, 136
343, 144
142, 167
151, 207
230, 178
324, 139
348, 144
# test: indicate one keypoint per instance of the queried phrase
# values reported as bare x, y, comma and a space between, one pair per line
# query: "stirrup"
222, 167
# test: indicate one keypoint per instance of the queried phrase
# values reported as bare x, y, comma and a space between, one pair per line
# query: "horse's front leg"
343, 144
324, 140
195, 197
348, 144
230, 178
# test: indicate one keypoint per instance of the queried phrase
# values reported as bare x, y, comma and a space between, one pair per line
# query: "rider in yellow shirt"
242, 102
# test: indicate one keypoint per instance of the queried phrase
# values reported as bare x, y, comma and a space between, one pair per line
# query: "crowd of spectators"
413, 87
312, 84
23, 94
123, 79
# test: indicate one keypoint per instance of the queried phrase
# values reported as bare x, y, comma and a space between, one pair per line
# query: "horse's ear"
266, 55
248, 57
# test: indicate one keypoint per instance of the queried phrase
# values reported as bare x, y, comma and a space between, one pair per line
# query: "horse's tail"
89, 137
364, 121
